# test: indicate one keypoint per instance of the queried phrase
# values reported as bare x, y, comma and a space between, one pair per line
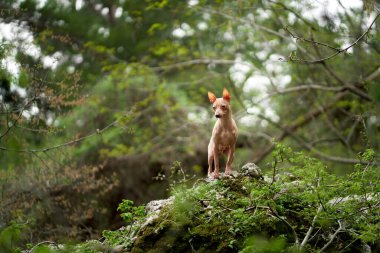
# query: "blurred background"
107, 100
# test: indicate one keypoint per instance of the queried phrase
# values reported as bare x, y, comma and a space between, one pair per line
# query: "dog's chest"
226, 137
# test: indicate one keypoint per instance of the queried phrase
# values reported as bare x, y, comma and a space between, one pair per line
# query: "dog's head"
221, 105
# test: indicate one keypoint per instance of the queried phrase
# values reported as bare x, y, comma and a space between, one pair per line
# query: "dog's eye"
213, 107
223, 107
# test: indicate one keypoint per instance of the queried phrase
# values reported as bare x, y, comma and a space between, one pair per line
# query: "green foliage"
128, 94
254, 215
10, 237
258, 244
276, 214
131, 213
133, 216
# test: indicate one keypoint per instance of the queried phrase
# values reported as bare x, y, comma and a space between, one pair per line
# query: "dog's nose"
218, 116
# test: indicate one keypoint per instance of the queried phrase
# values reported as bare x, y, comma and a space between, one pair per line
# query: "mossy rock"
188, 225
241, 214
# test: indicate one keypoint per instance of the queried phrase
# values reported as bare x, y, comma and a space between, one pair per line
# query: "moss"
220, 216
148, 235
211, 236
235, 185
222, 226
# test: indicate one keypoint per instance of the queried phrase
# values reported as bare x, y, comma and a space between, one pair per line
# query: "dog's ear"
226, 95
212, 97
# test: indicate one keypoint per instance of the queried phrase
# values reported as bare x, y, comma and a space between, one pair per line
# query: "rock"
118, 249
153, 209
268, 179
287, 186
155, 206
222, 175
286, 177
251, 170
234, 173
366, 248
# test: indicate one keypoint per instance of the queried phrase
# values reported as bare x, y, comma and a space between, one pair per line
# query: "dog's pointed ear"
212, 97
226, 95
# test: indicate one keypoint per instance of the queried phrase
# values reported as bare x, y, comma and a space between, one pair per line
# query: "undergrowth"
298, 207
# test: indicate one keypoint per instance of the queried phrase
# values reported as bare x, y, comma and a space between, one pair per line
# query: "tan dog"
224, 134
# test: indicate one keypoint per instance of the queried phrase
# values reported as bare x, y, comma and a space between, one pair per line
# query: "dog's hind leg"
230, 158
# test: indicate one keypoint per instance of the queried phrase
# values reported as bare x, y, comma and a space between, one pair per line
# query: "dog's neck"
227, 119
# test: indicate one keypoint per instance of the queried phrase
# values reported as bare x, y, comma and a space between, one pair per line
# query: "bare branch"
312, 41
41, 243
340, 229
255, 25
307, 146
339, 51
295, 13
97, 132
311, 228
199, 61
296, 240
301, 88
313, 114
17, 119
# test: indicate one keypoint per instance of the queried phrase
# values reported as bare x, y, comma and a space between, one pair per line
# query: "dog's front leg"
231, 154
216, 162
210, 160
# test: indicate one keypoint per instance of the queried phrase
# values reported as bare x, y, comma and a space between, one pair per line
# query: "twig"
294, 12
328, 140
348, 245
41, 243
301, 88
289, 129
350, 134
296, 241
255, 207
97, 132
312, 41
200, 61
339, 51
315, 234
333, 236
311, 228
255, 25
18, 118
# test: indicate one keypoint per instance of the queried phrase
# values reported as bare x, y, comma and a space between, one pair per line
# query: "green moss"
209, 217
251, 215
150, 234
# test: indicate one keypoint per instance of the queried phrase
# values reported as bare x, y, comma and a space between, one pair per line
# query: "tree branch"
305, 145
311, 228
339, 50
312, 41
199, 61
255, 25
17, 119
296, 240
289, 129
341, 227
97, 132
294, 12
301, 88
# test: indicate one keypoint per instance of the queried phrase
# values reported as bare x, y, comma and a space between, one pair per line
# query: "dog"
224, 134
